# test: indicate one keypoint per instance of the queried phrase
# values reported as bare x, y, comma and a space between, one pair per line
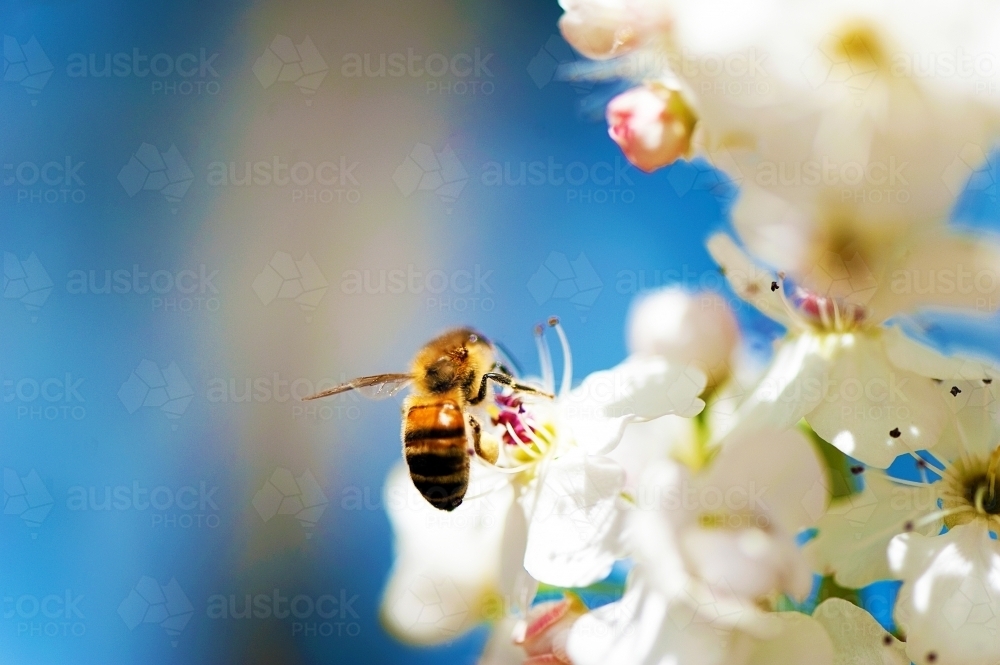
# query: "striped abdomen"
434, 446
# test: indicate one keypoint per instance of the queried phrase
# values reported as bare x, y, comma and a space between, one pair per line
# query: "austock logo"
285, 61
285, 494
26, 497
558, 278
26, 281
598, 182
432, 604
323, 182
457, 73
311, 615
26, 65
45, 398
455, 290
150, 602
195, 71
285, 278
149, 386
54, 181
185, 507
152, 170
424, 169
49, 615
554, 61
183, 290
971, 170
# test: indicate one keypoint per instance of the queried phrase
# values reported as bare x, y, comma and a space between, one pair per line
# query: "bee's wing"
379, 386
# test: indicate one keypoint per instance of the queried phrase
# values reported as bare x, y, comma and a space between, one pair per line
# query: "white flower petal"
854, 533
949, 604
790, 388
644, 628
944, 270
517, 587
599, 435
802, 640
640, 388
750, 282
909, 354
772, 473
857, 637
500, 648
868, 401
747, 563
655, 526
775, 231
645, 443
446, 573
974, 426
576, 524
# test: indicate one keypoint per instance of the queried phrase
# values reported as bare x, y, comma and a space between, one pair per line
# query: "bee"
448, 375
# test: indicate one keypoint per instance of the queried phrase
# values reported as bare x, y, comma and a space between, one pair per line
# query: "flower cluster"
751, 500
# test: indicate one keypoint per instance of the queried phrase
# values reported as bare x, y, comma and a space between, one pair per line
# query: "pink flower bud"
651, 124
547, 630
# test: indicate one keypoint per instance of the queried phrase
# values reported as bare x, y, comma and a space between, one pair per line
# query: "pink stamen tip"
512, 413
544, 616
819, 307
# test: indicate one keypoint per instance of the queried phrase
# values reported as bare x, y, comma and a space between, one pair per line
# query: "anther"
539, 329
553, 321
894, 432
987, 381
921, 464
908, 526
887, 639
954, 391
931, 656
857, 470
774, 287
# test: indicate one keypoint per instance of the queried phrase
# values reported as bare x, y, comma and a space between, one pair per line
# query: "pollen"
823, 313
970, 491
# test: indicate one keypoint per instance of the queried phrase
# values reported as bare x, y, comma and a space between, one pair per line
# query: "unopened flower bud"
547, 630
651, 124
684, 327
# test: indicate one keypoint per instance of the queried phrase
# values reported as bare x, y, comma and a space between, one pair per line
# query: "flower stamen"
567, 376
545, 359
525, 448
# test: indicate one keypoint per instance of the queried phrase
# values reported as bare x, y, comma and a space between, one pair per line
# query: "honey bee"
448, 375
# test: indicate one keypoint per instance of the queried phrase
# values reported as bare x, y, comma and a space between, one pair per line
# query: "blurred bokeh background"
212, 209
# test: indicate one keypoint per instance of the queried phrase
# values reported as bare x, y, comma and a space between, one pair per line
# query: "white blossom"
862, 385
554, 456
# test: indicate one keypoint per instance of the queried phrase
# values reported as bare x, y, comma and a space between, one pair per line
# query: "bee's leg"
506, 380
488, 452
500, 367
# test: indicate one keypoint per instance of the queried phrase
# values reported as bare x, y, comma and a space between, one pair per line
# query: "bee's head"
458, 357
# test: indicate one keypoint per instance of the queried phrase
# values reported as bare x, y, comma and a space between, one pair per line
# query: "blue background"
640, 232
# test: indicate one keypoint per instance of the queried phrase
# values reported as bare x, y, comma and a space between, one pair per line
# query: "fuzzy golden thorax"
453, 365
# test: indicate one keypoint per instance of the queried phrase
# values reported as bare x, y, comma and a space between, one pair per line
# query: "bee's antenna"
510, 357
